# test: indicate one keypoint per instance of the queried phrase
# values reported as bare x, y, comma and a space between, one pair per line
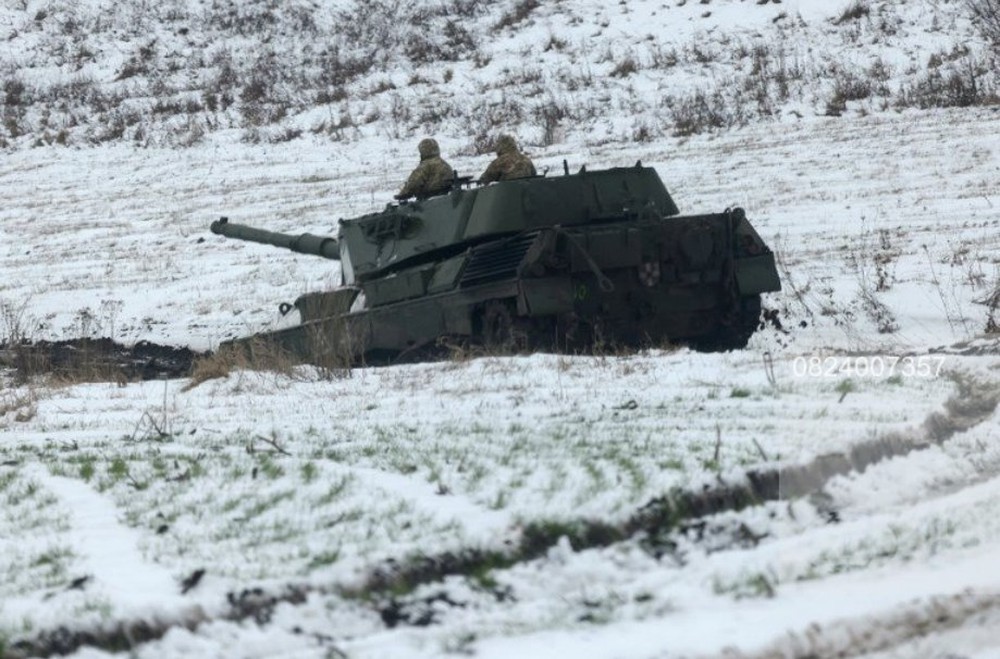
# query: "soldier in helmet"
432, 176
509, 163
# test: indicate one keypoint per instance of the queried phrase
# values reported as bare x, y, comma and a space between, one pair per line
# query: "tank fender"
325, 304
757, 274
756, 271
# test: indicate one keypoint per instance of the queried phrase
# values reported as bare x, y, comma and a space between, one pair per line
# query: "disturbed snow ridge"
975, 401
864, 636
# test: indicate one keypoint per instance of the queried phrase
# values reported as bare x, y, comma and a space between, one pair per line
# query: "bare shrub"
554, 43
551, 115
950, 303
624, 68
432, 115
992, 303
60, 137
879, 73
15, 92
420, 32
331, 349
172, 11
772, 75
700, 53
79, 87
338, 69
12, 123
856, 10
643, 131
467, 8
285, 135
519, 13
140, 62
177, 105
189, 133
835, 106
486, 115
115, 124
216, 102
699, 112
451, 44
14, 323
243, 18
851, 85
263, 96
662, 58
339, 130
331, 95
880, 314
26, 362
299, 17
986, 17
23, 405
970, 82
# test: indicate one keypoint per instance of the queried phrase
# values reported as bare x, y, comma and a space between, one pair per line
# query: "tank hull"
620, 284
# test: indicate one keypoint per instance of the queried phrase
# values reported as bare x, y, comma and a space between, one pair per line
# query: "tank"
576, 262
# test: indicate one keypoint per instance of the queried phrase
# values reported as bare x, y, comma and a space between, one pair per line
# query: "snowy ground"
490, 506
114, 496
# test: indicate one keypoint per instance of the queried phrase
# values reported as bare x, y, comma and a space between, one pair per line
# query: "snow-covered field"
514, 506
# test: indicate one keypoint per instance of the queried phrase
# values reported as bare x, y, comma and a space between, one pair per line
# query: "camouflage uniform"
432, 176
509, 163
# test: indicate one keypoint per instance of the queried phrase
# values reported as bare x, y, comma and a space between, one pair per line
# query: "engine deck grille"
496, 261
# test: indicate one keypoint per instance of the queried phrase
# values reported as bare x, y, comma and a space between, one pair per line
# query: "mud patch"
97, 360
123, 637
250, 604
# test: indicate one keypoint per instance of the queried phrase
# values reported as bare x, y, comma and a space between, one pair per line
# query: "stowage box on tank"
567, 263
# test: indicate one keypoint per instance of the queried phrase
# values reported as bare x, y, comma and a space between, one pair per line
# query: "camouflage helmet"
428, 148
505, 144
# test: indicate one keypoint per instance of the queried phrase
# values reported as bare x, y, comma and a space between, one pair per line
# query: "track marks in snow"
813, 568
107, 550
479, 524
902, 632
928, 511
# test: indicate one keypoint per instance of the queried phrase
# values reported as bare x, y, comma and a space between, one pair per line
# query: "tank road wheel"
748, 320
499, 329
736, 334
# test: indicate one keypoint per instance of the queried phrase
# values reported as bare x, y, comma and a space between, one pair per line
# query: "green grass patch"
309, 472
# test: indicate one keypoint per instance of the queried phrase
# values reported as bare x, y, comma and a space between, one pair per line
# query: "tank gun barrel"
306, 243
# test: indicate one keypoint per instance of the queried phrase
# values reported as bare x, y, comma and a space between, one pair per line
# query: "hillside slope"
176, 73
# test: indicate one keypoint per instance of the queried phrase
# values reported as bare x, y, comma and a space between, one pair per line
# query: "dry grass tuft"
21, 404
251, 355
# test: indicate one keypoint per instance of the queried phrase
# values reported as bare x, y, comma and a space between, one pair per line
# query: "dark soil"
98, 360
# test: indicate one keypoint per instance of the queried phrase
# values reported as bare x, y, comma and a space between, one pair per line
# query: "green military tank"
580, 261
